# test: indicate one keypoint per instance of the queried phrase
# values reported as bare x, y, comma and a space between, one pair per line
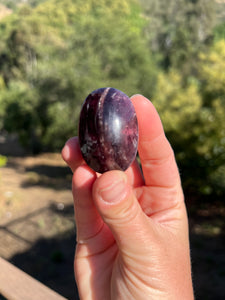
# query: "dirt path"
27, 184
37, 230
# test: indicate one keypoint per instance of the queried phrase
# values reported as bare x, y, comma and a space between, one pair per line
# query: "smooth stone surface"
108, 130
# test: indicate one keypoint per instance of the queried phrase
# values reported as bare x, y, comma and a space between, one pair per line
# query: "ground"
37, 229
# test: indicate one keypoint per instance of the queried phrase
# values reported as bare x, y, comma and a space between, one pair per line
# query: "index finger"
71, 153
156, 155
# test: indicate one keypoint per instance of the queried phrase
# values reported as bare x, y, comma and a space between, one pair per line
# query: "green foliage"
58, 52
14, 4
179, 29
212, 70
212, 75
193, 116
9, 3
179, 107
220, 31
20, 114
54, 52
3, 161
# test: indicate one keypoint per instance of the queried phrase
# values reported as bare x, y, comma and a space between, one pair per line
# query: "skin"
132, 228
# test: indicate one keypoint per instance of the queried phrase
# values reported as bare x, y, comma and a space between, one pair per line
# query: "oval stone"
108, 130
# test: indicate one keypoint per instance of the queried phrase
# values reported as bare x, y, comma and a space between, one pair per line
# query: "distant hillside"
4, 11
13, 4
221, 10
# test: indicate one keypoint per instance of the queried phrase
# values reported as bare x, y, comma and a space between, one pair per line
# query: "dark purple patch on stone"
108, 130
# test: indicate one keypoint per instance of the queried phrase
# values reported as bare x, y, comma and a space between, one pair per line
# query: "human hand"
132, 229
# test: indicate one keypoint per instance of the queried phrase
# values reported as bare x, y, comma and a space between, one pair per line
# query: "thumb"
121, 211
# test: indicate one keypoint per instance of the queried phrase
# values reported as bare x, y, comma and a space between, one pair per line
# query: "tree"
177, 30
213, 111
179, 108
193, 116
58, 52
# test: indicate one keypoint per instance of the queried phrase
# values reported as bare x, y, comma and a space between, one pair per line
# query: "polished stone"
108, 130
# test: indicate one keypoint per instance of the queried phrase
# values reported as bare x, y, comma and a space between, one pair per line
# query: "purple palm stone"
108, 130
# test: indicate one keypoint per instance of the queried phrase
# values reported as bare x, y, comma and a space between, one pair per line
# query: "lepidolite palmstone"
108, 130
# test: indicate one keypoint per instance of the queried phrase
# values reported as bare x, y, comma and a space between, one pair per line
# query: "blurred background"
52, 55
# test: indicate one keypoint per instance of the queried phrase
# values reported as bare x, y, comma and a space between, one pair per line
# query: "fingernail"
112, 192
